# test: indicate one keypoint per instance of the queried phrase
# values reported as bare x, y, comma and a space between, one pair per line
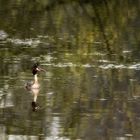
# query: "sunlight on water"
104, 66
55, 127
36, 42
28, 42
19, 137
3, 35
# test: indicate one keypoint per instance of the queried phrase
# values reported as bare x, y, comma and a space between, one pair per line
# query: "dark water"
91, 53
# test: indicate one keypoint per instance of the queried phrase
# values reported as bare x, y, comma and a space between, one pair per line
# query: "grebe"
34, 86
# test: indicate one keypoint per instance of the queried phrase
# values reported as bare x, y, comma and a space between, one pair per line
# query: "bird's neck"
35, 78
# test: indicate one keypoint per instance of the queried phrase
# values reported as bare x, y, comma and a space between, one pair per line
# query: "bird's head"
35, 68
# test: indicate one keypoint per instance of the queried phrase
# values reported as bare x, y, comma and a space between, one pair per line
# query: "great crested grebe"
34, 86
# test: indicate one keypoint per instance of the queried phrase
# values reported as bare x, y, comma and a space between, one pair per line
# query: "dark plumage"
35, 68
35, 106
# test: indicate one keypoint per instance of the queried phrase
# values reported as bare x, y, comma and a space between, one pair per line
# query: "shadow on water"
90, 50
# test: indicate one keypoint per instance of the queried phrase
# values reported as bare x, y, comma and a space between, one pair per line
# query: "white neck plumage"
35, 78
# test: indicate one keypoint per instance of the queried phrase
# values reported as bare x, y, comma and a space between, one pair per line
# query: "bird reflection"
35, 105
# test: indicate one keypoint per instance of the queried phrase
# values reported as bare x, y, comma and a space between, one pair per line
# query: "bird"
34, 85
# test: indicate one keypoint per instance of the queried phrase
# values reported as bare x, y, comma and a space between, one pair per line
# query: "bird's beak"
40, 69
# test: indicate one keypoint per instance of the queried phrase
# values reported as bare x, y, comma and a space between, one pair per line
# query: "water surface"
90, 50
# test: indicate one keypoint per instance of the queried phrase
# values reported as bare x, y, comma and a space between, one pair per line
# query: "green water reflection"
90, 50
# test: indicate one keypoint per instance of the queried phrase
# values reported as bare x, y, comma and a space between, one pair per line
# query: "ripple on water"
110, 66
3, 35
33, 137
28, 42
120, 66
135, 66
103, 66
126, 51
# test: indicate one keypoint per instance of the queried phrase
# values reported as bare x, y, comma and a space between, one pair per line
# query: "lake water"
91, 54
